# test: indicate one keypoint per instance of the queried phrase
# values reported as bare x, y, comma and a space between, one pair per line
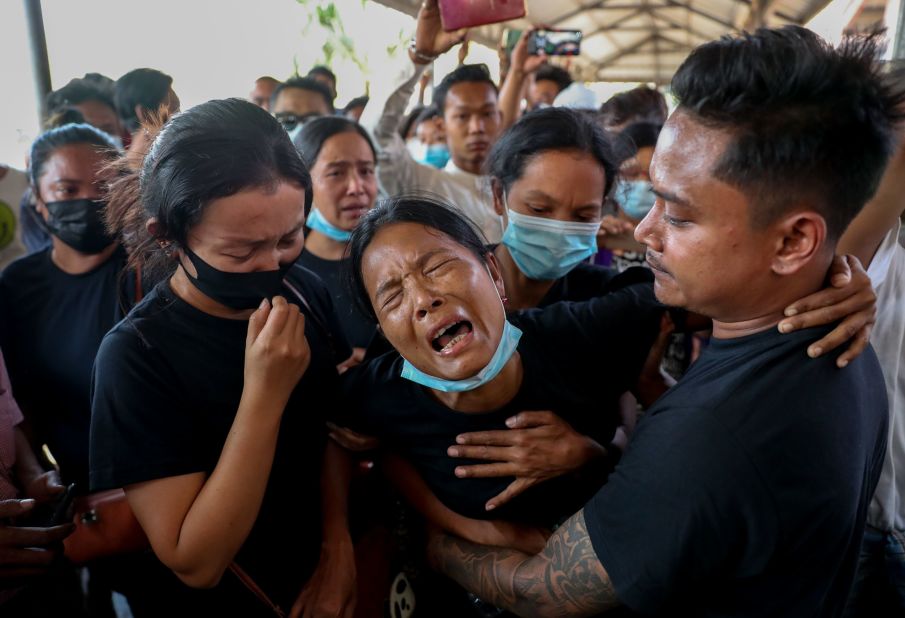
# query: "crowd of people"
501, 354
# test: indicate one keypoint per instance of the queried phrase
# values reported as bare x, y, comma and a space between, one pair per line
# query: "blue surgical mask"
504, 351
436, 155
317, 222
547, 249
636, 198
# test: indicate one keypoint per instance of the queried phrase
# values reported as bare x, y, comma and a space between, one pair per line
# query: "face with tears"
437, 301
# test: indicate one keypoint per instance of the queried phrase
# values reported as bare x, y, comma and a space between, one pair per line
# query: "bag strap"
256, 590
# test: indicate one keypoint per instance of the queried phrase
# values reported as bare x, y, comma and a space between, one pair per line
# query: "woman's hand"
537, 446
523, 62
331, 590
849, 298
276, 351
430, 38
45, 487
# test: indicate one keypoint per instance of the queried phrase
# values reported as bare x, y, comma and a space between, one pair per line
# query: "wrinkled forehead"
399, 247
688, 151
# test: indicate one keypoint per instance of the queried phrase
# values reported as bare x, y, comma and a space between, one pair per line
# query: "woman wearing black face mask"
56, 305
210, 398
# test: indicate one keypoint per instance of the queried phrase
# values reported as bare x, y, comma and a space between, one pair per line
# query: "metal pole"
39, 62
898, 49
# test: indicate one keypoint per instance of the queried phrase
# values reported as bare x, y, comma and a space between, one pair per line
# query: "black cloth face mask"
79, 224
235, 290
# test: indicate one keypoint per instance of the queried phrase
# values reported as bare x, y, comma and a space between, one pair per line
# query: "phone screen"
556, 42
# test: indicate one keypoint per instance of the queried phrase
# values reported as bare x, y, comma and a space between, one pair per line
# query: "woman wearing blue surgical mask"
550, 174
210, 399
632, 193
342, 160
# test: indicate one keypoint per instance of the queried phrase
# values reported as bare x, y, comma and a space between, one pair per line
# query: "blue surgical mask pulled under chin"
548, 249
504, 351
318, 223
636, 198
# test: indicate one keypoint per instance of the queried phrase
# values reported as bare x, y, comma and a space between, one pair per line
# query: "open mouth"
446, 339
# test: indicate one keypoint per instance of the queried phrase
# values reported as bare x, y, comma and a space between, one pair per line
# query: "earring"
505, 299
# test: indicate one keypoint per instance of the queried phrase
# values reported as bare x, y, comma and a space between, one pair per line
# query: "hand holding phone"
430, 38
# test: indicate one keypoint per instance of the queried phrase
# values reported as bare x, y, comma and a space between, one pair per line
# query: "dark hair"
552, 128
146, 88
639, 104
78, 91
64, 116
211, 151
463, 73
304, 83
428, 113
809, 122
356, 102
409, 121
634, 137
323, 72
553, 73
67, 135
426, 210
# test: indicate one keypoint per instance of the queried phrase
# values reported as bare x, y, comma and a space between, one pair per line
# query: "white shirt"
887, 273
398, 173
12, 186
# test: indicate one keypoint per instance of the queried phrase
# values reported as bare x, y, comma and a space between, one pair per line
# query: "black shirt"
167, 386
563, 349
51, 324
584, 282
359, 329
744, 489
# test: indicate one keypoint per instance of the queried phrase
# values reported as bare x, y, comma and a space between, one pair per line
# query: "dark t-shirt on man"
745, 488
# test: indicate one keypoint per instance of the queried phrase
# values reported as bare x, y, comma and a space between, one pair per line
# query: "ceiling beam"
672, 22
700, 13
621, 53
615, 25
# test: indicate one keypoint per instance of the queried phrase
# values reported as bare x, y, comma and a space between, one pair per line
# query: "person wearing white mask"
298, 100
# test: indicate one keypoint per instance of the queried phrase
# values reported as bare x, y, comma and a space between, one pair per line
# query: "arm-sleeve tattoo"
565, 579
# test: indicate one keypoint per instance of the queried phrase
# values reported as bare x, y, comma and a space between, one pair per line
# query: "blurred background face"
542, 92
261, 93
566, 185
427, 290
431, 132
638, 167
76, 171
101, 116
344, 180
471, 119
257, 229
300, 102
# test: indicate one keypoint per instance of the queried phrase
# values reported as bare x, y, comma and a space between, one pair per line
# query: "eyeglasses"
290, 120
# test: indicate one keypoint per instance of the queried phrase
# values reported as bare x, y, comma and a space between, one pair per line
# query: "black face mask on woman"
235, 290
80, 224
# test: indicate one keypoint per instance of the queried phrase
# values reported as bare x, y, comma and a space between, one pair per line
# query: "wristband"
425, 58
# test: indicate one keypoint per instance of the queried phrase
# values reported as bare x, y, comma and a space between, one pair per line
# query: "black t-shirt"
167, 385
584, 282
359, 329
744, 489
51, 324
563, 349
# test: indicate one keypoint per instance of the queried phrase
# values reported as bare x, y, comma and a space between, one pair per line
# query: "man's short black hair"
810, 123
323, 72
361, 101
464, 73
555, 74
78, 91
146, 88
304, 83
641, 104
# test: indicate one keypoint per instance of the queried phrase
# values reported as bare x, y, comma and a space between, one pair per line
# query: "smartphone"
555, 42
456, 14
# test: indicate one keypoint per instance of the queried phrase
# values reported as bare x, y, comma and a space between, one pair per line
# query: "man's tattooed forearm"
565, 579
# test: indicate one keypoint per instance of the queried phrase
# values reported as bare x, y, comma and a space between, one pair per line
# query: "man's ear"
496, 273
801, 237
499, 204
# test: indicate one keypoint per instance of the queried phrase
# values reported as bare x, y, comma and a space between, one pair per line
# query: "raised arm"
565, 579
522, 65
197, 523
